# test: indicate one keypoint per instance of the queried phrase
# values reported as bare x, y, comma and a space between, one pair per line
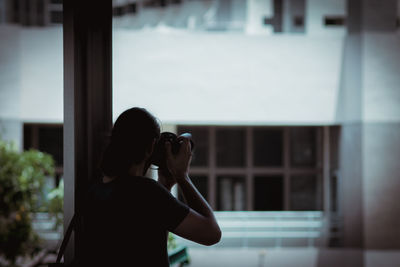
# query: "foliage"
22, 176
55, 204
171, 241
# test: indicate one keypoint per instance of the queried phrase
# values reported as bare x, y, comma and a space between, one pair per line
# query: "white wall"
186, 77
225, 78
42, 74
257, 10
10, 72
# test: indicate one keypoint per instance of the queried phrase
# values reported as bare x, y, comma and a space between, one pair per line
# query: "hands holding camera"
177, 162
200, 224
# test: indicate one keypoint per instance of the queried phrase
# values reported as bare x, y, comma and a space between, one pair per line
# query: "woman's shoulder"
139, 181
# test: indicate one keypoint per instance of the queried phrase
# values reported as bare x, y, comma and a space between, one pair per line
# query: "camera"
159, 157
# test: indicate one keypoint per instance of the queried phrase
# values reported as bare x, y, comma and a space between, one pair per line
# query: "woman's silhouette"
127, 215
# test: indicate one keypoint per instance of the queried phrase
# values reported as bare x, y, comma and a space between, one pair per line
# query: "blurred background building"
294, 106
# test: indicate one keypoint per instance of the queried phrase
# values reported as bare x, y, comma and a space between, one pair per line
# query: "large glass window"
303, 146
47, 138
305, 192
268, 147
231, 193
230, 147
268, 193
260, 168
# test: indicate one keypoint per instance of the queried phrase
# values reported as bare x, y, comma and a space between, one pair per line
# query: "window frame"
249, 171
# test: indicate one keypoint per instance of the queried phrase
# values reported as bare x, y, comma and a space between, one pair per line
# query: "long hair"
132, 134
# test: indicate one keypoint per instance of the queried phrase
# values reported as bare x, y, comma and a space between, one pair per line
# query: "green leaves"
55, 203
22, 176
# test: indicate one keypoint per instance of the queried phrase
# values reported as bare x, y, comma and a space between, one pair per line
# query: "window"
276, 20
231, 193
298, 21
261, 168
303, 146
46, 138
268, 147
56, 16
118, 11
334, 21
131, 8
305, 192
230, 147
268, 193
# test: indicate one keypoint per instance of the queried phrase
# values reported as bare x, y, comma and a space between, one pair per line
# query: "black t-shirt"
127, 221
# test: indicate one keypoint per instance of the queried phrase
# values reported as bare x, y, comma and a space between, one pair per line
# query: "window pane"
305, 193
230, 147
27, 137
303, 146
231, 192
267, 147
268, 193
333, 193
51, 141
200, 182
201, 141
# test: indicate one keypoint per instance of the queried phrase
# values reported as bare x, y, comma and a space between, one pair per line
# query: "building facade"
293, 104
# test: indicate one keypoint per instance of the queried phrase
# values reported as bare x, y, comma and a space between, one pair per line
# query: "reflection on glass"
230, 147
268, 193
267, 147
201, 141
305, 193
303, 146
231, 193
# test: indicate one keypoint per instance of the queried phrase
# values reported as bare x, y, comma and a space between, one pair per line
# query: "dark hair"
132, 134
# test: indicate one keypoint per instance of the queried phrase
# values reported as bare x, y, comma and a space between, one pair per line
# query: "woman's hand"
178, 165
166, 180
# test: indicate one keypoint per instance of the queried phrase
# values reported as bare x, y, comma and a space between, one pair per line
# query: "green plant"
55, 203
22, 177
171, 241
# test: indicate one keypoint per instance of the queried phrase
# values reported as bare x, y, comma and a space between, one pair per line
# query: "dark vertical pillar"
278, 15
87, 101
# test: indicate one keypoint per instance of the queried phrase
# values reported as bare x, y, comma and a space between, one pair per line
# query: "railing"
270, 229
44, 224
248, 229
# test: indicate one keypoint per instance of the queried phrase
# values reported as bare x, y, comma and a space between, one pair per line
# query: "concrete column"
381, 125
87, 102
368, 109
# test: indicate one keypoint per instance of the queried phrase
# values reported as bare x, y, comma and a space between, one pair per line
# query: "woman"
128, 216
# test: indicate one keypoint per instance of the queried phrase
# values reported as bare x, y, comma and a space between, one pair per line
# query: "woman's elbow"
215, 238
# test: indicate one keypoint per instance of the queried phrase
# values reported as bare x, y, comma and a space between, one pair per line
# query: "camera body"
159, 157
